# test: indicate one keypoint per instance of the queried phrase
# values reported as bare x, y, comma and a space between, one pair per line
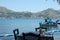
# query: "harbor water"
24, 25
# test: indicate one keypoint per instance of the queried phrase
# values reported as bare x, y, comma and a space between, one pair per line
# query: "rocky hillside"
7, 13
49, 13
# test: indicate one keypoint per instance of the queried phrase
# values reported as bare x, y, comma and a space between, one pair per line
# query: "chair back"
16, 32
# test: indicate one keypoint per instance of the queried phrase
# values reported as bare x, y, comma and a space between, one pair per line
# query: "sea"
7, 25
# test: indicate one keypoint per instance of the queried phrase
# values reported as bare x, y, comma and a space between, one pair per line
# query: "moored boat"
49, 23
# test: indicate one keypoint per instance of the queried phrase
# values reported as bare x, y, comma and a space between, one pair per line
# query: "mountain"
7, 13
50, 12
5, 10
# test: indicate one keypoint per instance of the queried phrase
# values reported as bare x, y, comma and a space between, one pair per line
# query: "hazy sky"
29, 5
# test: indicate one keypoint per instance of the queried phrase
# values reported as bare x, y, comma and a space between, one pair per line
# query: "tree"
58, 1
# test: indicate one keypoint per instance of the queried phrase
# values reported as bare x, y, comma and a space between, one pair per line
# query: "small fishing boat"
49, 23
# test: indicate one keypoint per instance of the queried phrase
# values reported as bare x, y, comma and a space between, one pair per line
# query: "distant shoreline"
50, 12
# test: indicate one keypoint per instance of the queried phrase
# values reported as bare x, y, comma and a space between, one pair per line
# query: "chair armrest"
36, 29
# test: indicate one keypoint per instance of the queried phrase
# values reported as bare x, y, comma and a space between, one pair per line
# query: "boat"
49, 23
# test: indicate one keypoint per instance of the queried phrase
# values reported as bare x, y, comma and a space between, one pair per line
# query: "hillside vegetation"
50, 12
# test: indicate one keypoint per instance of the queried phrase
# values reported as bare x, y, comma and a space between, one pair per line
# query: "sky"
29, 5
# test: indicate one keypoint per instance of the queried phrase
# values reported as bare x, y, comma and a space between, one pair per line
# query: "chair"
30, 36
16, 32
16, 35
43, 37
36, 29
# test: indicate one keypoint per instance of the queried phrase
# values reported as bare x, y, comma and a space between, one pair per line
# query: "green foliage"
58, 1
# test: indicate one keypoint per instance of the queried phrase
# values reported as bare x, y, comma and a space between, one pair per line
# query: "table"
40, 37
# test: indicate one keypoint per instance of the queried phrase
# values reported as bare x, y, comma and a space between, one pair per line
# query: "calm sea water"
24, 25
